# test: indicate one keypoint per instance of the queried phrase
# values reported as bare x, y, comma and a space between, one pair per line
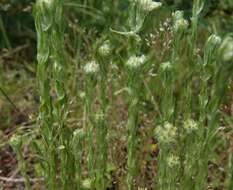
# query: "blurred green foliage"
17, 24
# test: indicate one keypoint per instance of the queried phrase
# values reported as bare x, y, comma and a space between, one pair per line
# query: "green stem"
132, 125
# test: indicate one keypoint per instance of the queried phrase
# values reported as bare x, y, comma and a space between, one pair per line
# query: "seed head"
135, 62
180, 24
91, 68
105, 49
149, 5
166, 134
190, 125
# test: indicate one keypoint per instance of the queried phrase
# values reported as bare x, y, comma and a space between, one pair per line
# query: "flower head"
135, 62
180, 24
105, 49
166, 133
91, 67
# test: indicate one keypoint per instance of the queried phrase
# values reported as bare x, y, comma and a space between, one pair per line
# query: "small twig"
10, 53
19, 180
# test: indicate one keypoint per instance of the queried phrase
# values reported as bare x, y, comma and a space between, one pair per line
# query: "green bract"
226, 49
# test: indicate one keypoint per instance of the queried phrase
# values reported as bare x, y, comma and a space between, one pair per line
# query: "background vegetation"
87, 24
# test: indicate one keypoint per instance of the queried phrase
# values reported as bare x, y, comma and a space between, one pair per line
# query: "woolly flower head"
190, 125
135, 62
105, 49
149, 5
166, 134
91, 67
172, 161
180, 24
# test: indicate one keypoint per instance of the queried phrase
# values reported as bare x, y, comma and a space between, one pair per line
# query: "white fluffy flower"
91, 67
149, 5
135, 62
166, 133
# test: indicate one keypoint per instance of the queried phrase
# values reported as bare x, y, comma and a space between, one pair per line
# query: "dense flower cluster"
166, 134
135, 62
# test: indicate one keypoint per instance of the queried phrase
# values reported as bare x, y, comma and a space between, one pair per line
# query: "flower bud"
149, 5
226, 49
105, 49
214, 40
